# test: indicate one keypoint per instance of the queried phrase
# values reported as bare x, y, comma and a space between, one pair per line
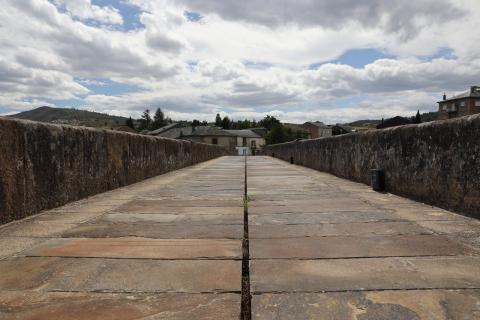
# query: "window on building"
254, 144
244, 142
477, 103
214, 141
462, 103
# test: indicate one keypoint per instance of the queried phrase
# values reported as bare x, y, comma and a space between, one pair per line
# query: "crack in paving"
246, 307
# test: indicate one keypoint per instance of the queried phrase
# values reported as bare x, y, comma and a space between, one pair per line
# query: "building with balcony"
464, 104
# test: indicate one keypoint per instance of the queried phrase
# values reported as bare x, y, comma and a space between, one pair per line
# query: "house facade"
240, 142
464, 104
248, 141
212, 135
317, 129
172, 131
340, 129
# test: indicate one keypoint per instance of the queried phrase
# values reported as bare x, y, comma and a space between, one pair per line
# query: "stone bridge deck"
170, 247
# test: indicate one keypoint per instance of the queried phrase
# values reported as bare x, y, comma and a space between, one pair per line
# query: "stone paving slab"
67, 217
93, 204
120, 275
267, 231
184, 210
192, 195
31, 228
322, 203
364, 274
14, 245
354, 247
312, 209
140, 248
169, 218
381, 305
322, 217
452, 227
308, 192
153, 206
29, 305
424, 213
155, 231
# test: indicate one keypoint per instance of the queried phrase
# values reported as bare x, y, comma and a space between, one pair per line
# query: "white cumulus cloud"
242, 58
84, 9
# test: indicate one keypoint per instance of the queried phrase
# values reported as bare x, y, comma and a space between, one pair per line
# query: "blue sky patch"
445, 53
193, 16
108, 87
257, 65
357, 58
129, 12
352, 101
74, 103
7, 110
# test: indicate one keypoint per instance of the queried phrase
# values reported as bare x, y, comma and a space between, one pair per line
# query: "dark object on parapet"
378, 180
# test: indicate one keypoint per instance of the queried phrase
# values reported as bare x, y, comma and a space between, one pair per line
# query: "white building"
248, 141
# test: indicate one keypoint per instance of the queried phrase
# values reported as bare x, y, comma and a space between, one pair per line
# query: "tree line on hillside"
147, 122
227, 123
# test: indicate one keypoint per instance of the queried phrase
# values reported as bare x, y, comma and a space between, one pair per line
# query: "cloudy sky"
300, 60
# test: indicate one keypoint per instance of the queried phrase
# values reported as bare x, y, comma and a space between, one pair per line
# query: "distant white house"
248, 141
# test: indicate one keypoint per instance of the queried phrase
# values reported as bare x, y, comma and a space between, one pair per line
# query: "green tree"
195, 123
276, 135
269, 122
129, 123
418, 117
158, 120
145, 120
218, 121
299, 134
226, 123
245, 124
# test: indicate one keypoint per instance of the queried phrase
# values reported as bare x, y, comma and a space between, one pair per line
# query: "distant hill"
361, 123
426, 117
72, 117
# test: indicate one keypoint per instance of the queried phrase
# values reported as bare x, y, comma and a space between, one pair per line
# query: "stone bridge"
242, 238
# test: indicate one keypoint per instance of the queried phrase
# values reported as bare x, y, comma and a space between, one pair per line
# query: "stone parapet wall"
435, 162
43, 166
